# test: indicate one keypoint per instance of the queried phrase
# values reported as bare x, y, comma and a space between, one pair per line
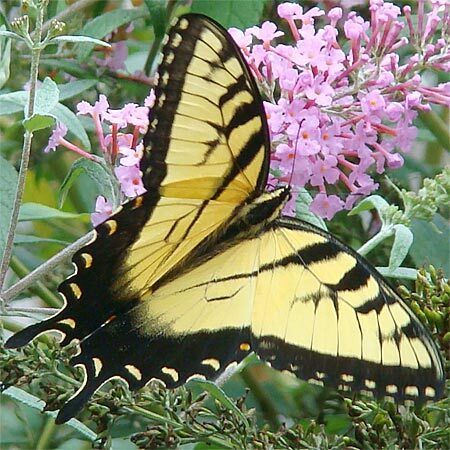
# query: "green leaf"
106, 184
27, 399
72, 122
38, 122
38, 211
158, 16
13, 102
69, 90
11, 35
400, 272
47, 97
219, 395
105, 24
374, 201
5, 59
231, 13
25, 239
72, 67
8, 185
77, 39
430, 244
402, 243
302, 210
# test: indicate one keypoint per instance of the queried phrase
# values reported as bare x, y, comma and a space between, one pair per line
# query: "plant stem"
35, 55
40, 271
165, 420
49, 298
45, 438
32, 310
69, 12
437, 126
384, 233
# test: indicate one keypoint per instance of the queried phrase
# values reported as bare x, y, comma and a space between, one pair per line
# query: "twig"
37, 273
34, 310
68, 12
35, 55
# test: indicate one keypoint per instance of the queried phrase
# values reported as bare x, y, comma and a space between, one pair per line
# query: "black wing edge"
385, 375
156, 160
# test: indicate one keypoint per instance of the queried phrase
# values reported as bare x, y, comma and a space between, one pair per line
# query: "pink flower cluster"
342, 103
122, 147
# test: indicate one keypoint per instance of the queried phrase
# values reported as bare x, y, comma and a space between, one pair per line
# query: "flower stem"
28, 136
437, 126
384, 233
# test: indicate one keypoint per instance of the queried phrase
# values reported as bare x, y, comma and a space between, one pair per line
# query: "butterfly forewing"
208, 135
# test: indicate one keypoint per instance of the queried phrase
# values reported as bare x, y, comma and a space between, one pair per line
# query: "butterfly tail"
29, 333
78, 400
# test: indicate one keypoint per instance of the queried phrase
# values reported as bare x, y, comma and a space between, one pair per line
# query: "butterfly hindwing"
293, 294
339, 323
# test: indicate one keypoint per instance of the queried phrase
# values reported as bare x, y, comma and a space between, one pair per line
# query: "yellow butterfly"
203, 269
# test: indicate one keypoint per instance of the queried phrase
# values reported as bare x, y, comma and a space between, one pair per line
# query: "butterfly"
204, 269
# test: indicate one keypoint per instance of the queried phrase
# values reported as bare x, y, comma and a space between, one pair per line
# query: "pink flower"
103, 210
132, 156
326, 206
334, 14
115, 58
55, 139
266, 33
130, 179
290, 11
99, 107
243, 40
373, 102
325, 169
320, 91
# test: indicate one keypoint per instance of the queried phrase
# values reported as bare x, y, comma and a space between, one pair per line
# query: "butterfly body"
203, 269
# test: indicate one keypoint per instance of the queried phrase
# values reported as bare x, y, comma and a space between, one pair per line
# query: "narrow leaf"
400, 272
11, 35
231, 13
431, 244
69, 90
105, 24
219, 395
402, 243
78, 39
374, 201
37, 211
25, 239
31, 401
47, 96
158, 16
100, 176
8, 185
12, 102
38, 122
